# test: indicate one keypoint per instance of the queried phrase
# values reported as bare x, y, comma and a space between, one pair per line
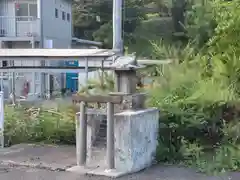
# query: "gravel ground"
155, 173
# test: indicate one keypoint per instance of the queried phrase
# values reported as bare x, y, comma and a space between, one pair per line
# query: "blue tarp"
72, 78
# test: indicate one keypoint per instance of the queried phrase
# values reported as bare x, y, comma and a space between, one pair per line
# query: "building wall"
1, 7
55, 28
58, 30
7, 8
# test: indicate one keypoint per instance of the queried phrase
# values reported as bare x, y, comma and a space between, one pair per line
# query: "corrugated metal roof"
55, 53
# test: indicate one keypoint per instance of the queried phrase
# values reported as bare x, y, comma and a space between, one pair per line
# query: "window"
26, 11
4, 63
22, 10
33, 10
68, 17
56, 13
63, 15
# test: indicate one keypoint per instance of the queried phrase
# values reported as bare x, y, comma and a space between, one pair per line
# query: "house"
36, 24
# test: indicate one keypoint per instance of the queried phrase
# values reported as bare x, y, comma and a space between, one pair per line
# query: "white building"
36, 24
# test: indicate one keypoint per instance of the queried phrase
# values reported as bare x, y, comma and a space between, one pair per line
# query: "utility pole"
117, 26
41, 45
117, 35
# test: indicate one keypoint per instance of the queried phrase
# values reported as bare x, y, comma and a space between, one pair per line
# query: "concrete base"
136, 139
81, 170
84, 170
113, 173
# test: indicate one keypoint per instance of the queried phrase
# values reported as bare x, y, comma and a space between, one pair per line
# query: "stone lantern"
125, 69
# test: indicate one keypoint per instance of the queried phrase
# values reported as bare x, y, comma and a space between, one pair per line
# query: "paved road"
155, 173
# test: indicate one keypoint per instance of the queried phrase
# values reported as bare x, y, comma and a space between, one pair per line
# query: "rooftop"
55, 53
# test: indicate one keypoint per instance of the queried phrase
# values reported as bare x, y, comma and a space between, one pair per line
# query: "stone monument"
136, 127
132, 129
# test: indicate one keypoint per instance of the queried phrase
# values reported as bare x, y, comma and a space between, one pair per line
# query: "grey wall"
60, 31
1, 7
7, 8
57, 29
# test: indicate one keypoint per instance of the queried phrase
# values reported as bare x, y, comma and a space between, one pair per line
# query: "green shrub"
193, 118
199, 103
199, 99
39, 125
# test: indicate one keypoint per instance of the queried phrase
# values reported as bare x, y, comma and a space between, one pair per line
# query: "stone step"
102, 135
100, 144
103, 129
101, 139
103, 125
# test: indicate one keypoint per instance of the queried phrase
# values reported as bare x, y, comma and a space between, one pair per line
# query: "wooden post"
110, 136
1, 65
86, 71
82, 146
77, 123
2, 118
34, 74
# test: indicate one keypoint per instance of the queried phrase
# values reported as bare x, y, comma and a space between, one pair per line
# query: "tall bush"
199, 99
194, 118
200, 22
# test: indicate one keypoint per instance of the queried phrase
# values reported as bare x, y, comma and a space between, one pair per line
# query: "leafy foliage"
199, 98
96, 19
101, 85
200, 23
38, 124
193, 114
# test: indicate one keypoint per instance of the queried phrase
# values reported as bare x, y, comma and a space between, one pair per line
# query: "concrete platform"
97, 171
112, 173
81, 170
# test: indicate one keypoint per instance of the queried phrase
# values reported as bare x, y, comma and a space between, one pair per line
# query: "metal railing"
19, 26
